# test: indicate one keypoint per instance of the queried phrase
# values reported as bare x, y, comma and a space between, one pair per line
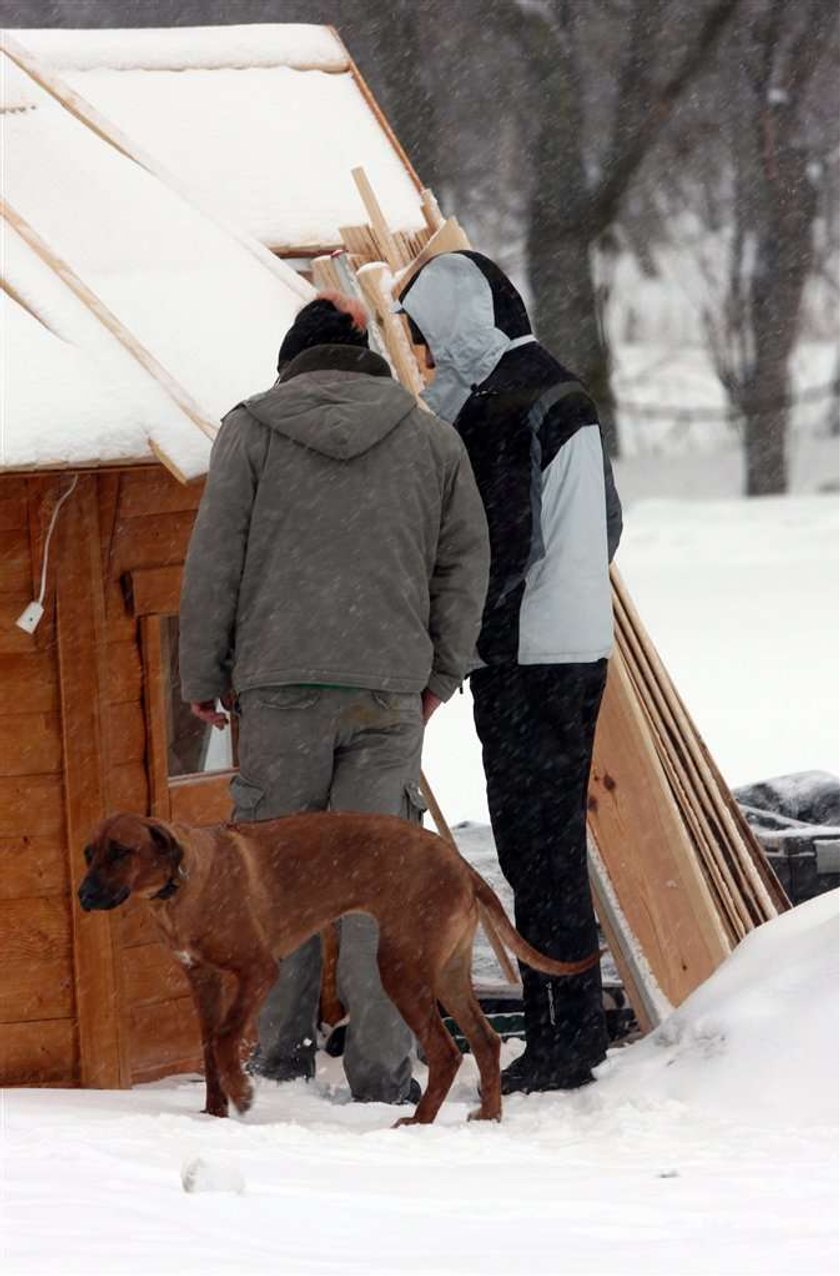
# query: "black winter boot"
300, 1065
565, 1033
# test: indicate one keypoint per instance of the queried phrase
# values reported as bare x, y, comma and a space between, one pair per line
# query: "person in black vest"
533, 437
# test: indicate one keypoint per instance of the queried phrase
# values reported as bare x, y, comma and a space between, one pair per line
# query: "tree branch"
604, 201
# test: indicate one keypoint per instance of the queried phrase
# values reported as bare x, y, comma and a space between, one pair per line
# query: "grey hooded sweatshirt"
340, 540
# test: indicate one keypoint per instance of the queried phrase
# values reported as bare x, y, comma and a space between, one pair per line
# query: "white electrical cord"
30, 618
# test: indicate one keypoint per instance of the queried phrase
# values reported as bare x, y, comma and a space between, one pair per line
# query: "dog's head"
129, 855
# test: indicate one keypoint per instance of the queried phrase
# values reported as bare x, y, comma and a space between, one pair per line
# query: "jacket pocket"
247, 798
414, 804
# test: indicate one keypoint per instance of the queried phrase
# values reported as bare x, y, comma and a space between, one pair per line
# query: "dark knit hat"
332, 319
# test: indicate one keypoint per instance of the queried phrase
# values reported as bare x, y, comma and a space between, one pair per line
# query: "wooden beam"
155, 668
156, 591
377, 219
80, 631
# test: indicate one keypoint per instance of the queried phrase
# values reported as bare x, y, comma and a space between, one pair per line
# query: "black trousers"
536, 724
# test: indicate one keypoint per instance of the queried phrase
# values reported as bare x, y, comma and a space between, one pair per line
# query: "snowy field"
710, 1147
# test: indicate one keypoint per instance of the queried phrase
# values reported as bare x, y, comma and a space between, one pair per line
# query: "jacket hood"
470, 315
335, 400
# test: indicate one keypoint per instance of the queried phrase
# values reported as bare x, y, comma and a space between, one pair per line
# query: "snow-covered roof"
94, 245
264, 121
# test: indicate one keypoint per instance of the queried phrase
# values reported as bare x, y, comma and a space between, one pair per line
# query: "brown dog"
236, 897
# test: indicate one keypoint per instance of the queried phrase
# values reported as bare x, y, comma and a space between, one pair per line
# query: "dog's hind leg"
456, 992
206, 987
253, 983
417, 1004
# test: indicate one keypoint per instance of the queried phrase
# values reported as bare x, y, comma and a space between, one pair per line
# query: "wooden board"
201, 799
155, 669
126, 733
32, 866
80, 622
36, 973
124, 673
30, 744
41, 1052
30, 680
32, 806
158, 540
13, 512
151, 975
135, 926
15, 562
156, 591
154, 491
164, 1038
646, 850
128, 787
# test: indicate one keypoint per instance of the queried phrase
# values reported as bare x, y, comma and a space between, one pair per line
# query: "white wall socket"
30, 618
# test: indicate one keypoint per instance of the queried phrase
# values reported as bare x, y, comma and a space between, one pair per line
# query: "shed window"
192, 747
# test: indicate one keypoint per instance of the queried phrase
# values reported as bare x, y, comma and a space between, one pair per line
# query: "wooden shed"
133, 318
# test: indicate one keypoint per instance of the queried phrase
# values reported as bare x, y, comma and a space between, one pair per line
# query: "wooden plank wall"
150, 525
38, 1037
138, 518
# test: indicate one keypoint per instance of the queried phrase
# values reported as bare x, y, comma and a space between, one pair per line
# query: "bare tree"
578, 186
776, 199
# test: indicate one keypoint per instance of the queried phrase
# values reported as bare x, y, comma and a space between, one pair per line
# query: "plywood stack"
678, 877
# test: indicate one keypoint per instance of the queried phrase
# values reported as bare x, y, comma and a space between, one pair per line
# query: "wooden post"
81, 640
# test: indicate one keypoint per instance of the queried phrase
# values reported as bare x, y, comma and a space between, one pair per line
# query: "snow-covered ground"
710, 1147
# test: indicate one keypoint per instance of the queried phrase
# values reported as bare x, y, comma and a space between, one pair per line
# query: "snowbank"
760, 1040
708, 1149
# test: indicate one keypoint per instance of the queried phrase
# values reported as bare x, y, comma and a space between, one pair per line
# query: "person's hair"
332, 319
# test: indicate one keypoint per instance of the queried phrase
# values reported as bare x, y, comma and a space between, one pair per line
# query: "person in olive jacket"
334, 584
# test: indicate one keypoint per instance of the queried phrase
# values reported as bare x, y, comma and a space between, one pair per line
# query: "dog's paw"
405, 1121
216, 1107
485, 1114
242, 1095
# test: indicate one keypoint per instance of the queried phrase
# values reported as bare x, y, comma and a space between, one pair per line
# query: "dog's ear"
163, 840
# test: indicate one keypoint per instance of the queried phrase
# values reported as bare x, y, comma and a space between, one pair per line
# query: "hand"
206, 710
431, 702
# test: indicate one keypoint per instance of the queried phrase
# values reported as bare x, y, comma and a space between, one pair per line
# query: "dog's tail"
502, 933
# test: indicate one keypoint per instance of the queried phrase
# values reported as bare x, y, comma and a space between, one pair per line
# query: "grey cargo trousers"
313, 749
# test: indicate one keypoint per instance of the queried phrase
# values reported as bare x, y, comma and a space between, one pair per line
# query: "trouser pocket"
414, 804
247, 799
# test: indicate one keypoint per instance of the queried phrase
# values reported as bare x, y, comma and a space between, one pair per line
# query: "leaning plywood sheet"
244, 115
206, 311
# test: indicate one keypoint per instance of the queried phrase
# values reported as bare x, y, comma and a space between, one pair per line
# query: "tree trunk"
559, 241
565, 310
784, 259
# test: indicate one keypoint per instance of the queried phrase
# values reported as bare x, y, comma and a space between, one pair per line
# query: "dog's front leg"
253, 983
208, 994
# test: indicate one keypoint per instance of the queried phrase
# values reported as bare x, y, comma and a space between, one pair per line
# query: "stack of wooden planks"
678, 878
